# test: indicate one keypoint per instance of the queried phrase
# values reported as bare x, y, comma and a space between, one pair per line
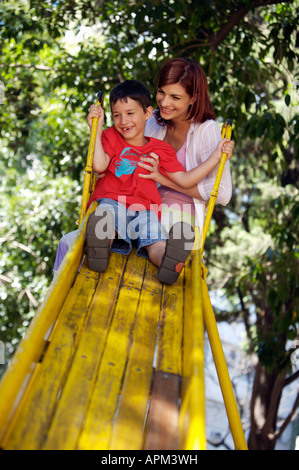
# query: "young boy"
128, 204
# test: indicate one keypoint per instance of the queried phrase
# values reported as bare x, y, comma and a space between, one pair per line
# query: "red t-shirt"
121, 181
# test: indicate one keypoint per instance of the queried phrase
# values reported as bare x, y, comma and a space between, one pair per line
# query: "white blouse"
202, 139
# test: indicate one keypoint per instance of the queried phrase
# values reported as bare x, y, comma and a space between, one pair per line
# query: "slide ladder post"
210, 321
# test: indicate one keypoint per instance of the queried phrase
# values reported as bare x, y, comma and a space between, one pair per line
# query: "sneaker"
178, 247
99, 234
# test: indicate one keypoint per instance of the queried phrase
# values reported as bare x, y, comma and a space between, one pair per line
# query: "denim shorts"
141, 228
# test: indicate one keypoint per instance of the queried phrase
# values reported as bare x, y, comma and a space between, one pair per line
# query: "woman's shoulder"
151, 122
209, 124
208, 130
152, 128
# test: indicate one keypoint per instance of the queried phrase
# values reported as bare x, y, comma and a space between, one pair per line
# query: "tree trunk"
266, 394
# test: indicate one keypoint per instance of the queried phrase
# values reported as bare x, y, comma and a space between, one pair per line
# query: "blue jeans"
142, 227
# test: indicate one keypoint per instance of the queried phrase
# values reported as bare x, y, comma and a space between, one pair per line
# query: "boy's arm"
101, 159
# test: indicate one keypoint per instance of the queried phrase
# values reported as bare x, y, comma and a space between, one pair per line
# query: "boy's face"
129, 120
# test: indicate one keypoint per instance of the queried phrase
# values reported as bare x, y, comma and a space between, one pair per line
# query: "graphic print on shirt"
127, 162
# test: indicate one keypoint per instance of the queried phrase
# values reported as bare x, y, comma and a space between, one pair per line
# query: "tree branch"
245, 314
291, 378
234, 19
29, 66
214, 39
288, 419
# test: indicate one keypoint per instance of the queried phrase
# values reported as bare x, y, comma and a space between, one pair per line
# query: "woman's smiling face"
173, 101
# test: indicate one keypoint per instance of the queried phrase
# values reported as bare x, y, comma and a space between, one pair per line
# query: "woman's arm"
190, 178
164, 181
192, 192
180, 181
209, 138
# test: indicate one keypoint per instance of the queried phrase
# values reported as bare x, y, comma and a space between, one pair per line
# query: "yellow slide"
115, 360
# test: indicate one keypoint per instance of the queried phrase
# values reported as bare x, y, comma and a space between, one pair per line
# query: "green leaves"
35, 210
261, 263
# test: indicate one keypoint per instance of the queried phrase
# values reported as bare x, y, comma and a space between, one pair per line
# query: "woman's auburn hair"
192, 78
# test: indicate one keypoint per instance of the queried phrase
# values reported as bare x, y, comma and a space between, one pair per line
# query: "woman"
184, 119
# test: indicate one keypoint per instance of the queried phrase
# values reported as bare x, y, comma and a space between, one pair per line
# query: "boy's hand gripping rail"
89, 176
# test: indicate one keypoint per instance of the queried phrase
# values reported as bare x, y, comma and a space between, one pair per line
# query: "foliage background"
55, 56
